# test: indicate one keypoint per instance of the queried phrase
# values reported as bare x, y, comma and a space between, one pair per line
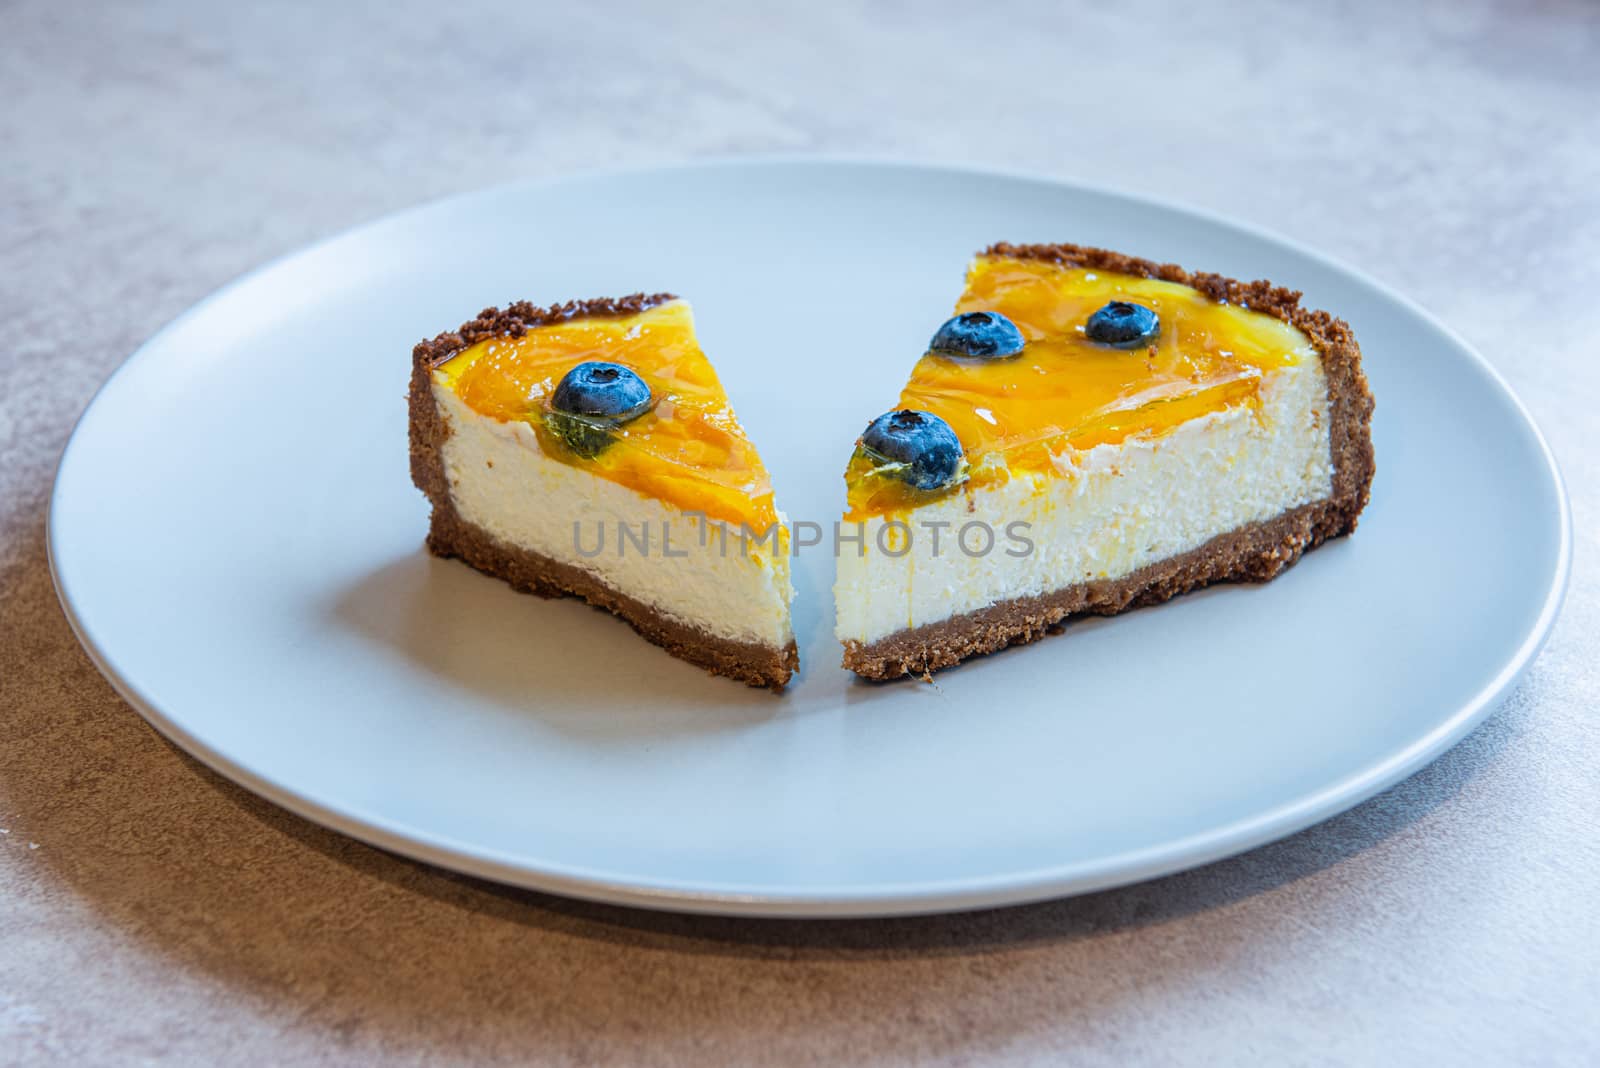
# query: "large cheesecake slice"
589, 449
1090, 433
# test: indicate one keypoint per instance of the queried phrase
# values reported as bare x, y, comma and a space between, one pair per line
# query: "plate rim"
849, 900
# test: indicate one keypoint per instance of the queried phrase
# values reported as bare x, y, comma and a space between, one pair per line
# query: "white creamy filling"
1107, 512
501, 480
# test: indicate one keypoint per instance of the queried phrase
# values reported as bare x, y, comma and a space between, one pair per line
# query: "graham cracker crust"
1254, 553
519, 317
531, 572
450, 535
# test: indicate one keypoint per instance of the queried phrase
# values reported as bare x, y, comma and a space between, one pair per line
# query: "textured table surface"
150, 153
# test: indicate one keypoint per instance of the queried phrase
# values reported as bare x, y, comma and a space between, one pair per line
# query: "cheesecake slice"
1094, 432
588, 449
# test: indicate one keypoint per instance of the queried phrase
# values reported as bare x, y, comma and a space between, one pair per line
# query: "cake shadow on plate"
550, 657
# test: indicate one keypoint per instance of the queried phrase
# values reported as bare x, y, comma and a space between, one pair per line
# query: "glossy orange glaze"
1065, 392
688, 450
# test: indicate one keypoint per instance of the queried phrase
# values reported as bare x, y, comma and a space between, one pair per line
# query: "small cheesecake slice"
1094, 432
588, 449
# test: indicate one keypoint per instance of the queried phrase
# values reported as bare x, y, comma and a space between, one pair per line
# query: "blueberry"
1124, 325
922, 442
984, 334
599, 390
591, 401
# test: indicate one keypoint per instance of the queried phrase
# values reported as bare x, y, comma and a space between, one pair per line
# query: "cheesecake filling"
1100, 514
681, 564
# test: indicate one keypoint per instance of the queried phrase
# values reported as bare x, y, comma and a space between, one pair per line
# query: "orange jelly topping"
1064, 392
688, 450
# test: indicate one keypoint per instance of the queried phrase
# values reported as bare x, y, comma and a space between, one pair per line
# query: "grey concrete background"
151, 152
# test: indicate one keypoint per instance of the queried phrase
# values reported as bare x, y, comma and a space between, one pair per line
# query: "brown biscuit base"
520, 317
1254, 553
451, 536
531, 572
